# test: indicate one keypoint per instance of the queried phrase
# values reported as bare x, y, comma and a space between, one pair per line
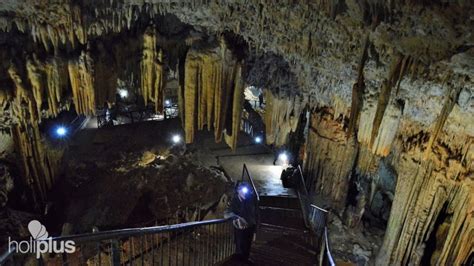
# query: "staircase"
282, 238
285, 236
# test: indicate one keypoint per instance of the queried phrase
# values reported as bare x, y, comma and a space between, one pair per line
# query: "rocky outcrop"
137, 183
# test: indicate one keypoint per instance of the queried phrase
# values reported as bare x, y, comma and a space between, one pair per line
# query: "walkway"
282, 238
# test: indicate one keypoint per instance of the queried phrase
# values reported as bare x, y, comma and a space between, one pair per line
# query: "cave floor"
258, 159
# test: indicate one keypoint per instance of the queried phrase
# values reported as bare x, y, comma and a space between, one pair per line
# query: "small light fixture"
176, 139
167, 102
283, 157
244, 190
123, 93
61, 131
258, 139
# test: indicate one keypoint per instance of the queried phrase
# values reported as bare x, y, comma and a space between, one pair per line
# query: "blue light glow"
61, 131
258, 140
244, 190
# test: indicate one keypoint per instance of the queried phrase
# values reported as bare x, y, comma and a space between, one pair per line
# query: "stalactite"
105, 76
81, 75
226, 79
36, 78
56, 75
39, 164
281, 116
384, 97
358, 91
388, 129
451, 99
152, 72
237, 105
212, 89
23, 98
190, 97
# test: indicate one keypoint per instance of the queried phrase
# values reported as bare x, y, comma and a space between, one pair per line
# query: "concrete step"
279, 202
277, 246
282, 217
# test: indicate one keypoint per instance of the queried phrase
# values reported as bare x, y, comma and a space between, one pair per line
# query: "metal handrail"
106, 235
214, 247
245, 170
316, 220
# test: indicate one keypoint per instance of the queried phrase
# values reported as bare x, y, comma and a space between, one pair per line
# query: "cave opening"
437, 237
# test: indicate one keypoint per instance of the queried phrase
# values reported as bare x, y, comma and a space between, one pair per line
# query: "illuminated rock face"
152, 73
213, 89
385, 84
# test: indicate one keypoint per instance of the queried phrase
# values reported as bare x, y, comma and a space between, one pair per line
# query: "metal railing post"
115, 257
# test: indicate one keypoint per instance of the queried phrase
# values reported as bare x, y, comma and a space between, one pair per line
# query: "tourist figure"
260, 97
243, 209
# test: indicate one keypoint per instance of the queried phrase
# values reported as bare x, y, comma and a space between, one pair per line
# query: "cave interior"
119, 114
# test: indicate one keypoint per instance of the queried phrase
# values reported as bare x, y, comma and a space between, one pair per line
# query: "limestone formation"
213, 88
81, 74
152, 73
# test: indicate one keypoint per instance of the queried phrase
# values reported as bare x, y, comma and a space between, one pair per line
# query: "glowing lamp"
123, 93
167, 102
244, 190
61, 131
283, 157
176, 139
258, 140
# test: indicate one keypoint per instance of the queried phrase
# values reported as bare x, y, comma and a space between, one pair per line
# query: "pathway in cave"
282, 238
257, 157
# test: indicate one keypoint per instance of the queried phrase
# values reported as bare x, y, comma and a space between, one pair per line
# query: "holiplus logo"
40, 242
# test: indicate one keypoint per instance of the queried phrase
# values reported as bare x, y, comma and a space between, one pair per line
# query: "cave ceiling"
312, 50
